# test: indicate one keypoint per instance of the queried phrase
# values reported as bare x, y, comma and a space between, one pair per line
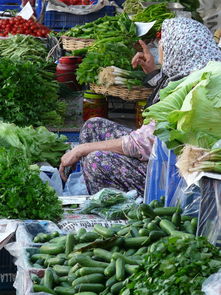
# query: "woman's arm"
81, 150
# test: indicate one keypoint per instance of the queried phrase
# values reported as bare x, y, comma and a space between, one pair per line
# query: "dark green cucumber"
51, 249
92, 278
87, 261
62, 270
147, 211
110, 269
120, 269
89, 287
65, 284
141, 251
55, 260
103, 254
116, 288
167, 211
48, 278
129, 260
38, 256
41, 288
85, 293
69, 245
104, 231
188, 227
176, 219
152, 226
131, 269
143, 232
136, 242
155, 235
90, 270
58, 240
111, 281
129, 252
64, 290
88, 237
170, 228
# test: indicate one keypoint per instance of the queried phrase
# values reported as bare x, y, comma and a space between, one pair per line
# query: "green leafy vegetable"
23, 194
37, 145
190, 109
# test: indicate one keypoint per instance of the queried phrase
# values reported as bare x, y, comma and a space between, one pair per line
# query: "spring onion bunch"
116, 76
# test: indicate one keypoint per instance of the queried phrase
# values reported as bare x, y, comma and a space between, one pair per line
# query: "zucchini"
51, 249
92, 278
61, 270
120, 270
110, 269
69, 245
103, 254
116, 288
129, 260
89, 287
88, 237
167, 211
87, 261
111, 281
89, 270
48, 278
41, 288
64, 290
136, 242
103, 231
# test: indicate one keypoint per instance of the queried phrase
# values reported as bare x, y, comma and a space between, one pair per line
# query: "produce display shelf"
61, 20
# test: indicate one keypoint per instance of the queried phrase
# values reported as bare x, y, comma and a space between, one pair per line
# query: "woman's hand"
145, 59
70, 159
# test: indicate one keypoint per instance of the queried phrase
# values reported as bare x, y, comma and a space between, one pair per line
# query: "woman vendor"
115, 156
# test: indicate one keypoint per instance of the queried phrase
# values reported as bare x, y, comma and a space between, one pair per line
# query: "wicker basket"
70, 43
136, 93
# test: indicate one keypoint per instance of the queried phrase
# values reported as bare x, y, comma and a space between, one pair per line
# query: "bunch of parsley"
22, 192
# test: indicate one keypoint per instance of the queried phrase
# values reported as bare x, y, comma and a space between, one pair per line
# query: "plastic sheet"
210, 210
75, 185
212, 285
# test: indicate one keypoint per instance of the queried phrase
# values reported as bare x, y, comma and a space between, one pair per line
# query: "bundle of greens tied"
189, 110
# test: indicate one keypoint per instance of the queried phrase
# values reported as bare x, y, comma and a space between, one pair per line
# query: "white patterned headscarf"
187, 46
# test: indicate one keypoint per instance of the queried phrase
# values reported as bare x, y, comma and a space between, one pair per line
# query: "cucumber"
170, 228
103, 231
51, 249
61, 270
65, 284
136, 242
87, 261
123, 231
63, 279
48, 278
103, 254
115, 249
120, 269
176, 219
185, 217
64, 290
89, 270
111, 281
155, 235
131, 269
81, 232
35, 279
142, 250
69, 245
55, 260
41, 238
130, 252
154, 204
143, 232
38, 256
129, 260
58, 240
88, 237
116, 288
54, 234
134, 231
41, 288
110, 269
72, 261
152, 226
188, 227
89, 287
85, 293
92, 278
194, 223
147, 211
74, 268
167, 211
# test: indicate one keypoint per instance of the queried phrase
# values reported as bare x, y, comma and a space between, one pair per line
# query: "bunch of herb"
23, 194
36, 144
175, 266
28, 94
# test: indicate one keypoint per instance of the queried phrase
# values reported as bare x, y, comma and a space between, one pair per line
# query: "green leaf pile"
189, 110
29, 94
37, 145
175, 266
22, 192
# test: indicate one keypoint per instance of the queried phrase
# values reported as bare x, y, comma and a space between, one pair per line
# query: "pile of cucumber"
101, 261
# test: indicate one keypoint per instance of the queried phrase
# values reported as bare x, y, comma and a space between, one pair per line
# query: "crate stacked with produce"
156, 251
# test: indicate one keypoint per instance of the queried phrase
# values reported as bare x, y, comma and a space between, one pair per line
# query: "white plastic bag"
212, 285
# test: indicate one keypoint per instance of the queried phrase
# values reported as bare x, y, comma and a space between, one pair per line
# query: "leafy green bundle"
23, 194
175, 266
37, 145
116, 50
28, 94
189, 110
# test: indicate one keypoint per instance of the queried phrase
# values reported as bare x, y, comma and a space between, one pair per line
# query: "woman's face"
160, 52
